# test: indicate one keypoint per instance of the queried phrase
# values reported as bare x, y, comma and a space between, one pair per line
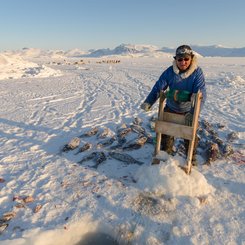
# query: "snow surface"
42, 111
14, 66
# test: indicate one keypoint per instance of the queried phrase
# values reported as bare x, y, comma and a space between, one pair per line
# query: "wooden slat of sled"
173, 129
174, 125
174, 118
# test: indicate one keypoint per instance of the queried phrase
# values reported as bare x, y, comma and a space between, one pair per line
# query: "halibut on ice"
124, 158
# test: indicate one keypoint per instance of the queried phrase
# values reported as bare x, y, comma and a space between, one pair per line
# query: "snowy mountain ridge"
131, 50
154, 51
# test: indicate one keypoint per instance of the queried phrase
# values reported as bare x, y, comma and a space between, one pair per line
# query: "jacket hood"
189, 71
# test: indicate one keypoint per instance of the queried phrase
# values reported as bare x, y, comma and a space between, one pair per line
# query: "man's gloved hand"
163, 95
188, 119
145, 106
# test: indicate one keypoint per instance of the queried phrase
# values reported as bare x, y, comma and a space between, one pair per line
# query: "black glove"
145, 106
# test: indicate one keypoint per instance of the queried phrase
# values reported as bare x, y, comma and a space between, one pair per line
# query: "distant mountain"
217, 50
74, 53
129, 50
212, 51
153, 51
99, 53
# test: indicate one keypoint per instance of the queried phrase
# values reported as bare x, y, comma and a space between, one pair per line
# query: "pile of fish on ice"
114, 144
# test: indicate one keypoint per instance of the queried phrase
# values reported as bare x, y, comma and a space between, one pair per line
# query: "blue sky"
92, 24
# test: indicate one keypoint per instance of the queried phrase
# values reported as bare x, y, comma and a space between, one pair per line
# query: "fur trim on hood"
189, 71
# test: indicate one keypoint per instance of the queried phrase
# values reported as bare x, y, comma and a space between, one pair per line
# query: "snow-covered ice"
45, 104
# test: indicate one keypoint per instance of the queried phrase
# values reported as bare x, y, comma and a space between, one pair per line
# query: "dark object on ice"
137, 129
3, 226
219, 141
152, 123
205, 124
137, 121
124, 158
122, 132
220, 126
98, 157
121, 142
207, 130
212, 145
213, 153
104, 133
89, 133
7, 217
93, 238
87, 158
137, 144
232, 136
227, 150
73, 144
85, 147
105, 143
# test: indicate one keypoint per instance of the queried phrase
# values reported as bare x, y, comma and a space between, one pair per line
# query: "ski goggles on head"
180, 59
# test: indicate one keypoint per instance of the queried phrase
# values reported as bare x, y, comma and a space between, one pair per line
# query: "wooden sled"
174, 125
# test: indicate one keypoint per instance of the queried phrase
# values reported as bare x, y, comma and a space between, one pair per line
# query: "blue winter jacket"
192, 80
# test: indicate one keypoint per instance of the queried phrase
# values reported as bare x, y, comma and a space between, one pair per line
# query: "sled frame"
174, 125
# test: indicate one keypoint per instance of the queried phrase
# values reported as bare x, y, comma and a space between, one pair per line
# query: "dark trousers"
167, 142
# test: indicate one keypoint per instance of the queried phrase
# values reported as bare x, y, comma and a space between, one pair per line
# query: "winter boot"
167, 143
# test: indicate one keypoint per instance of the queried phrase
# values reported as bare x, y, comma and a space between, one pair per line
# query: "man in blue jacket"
179, 81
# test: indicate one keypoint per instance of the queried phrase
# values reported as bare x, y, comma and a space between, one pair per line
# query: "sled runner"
174, 125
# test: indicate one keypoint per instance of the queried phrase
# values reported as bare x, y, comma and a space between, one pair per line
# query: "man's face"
183, 62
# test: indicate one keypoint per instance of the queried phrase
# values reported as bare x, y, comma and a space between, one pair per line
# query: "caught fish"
124, 158
137, 129
85, 147
227, 150
89, 133
106, 142
3, 226
220, 125
213, 153
141, 140
219, 141
99, 158
209, 128
123, 132
121, 142
205, 124
73, 144
149, 139
232, 136
104, 133
138, 143
88, 158
7, 217
137, 121
121, 127
204, 133
152, 123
